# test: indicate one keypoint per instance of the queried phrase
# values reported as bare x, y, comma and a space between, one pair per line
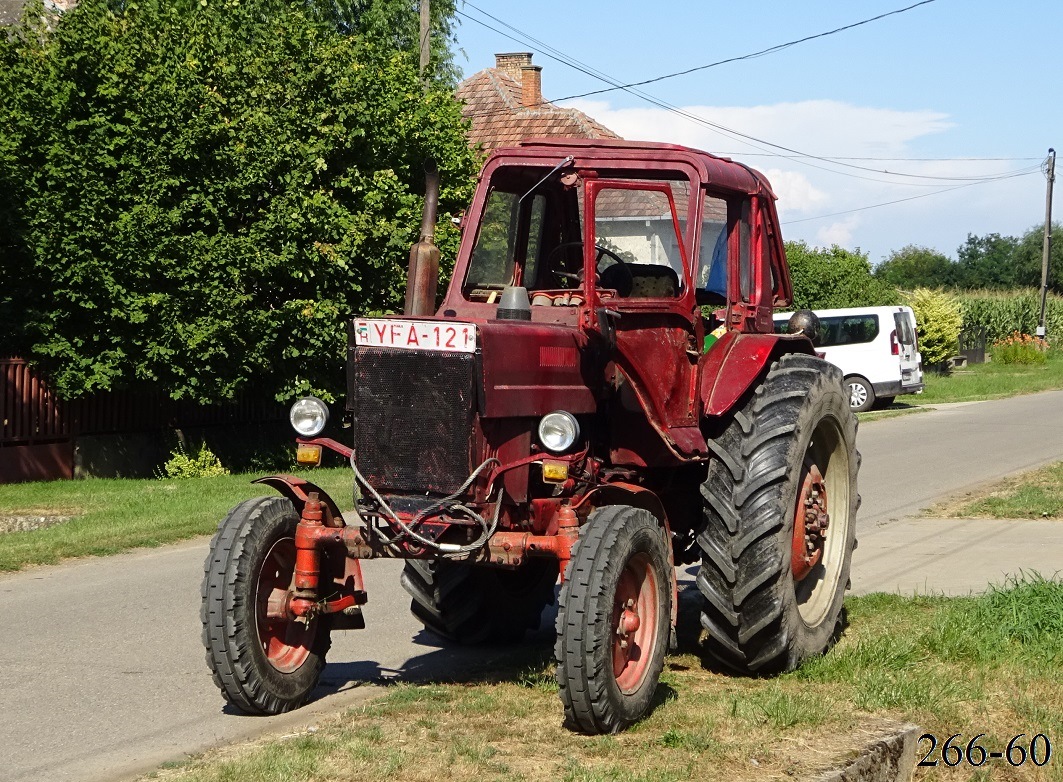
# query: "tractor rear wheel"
263, 661
779, 521
472, 605
613, 620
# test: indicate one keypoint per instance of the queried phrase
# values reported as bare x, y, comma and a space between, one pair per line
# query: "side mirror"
804, 322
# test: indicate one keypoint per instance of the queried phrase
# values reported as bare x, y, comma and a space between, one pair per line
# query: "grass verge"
991, 381
991, 664
113, 515
1032, 495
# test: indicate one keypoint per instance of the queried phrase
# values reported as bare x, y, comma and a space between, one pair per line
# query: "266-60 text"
1038, 750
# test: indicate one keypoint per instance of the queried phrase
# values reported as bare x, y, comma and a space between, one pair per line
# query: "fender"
343, 574
298, 490
639, 497
735, 362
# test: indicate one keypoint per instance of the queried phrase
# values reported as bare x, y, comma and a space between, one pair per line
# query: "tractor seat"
641, 281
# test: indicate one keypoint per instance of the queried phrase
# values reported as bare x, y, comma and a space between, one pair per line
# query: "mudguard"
298, 490
342, 573
735, 363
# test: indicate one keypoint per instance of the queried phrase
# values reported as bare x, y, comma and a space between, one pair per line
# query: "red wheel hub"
810, 523
285, 641
634, 623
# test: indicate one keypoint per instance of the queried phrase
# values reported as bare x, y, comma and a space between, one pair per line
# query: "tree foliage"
202, 191
914, 267
989, 262
834, 277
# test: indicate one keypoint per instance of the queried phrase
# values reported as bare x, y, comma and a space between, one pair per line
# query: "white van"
875, 348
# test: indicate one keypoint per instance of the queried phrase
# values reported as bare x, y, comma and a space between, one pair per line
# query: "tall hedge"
826, 278
202, 191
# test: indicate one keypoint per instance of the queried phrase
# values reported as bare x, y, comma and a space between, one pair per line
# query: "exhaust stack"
423, 277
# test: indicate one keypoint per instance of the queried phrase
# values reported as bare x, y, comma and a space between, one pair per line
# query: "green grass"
991, 664
113, 515
991, 381
1031, 495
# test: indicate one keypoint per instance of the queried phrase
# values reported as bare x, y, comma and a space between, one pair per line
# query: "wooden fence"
38, 430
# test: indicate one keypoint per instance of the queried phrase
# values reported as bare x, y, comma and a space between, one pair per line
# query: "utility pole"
1050, 172
426, 32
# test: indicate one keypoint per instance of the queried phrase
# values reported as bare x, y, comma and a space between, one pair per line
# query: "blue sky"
950, 79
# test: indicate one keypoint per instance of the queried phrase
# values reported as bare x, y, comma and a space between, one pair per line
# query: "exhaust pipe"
423, 276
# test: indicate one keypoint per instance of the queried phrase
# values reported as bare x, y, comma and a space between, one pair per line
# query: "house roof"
505, 105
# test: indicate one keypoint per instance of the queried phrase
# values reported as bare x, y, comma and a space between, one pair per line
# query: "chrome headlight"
558, 431
308, 416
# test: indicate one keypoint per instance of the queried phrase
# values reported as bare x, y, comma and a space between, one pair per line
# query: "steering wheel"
602, 252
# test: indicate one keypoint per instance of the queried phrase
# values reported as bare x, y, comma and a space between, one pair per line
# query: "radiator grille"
413, 414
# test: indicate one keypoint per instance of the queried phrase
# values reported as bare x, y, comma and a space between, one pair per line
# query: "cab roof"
715, 171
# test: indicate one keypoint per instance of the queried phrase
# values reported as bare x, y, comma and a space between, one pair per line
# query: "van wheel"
861, 394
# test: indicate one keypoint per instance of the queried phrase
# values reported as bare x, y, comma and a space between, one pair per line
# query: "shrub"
1019, 348
203, 465
938, 322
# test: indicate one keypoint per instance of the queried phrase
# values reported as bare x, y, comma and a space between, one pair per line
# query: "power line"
752, 55
795, 155
896, 201
897, 159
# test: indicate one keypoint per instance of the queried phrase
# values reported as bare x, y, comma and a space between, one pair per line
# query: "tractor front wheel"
613, 620
262, 659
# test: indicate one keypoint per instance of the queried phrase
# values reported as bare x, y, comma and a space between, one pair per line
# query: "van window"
905, 333
847, 330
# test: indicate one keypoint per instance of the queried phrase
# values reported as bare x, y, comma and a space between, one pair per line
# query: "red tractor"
600, 397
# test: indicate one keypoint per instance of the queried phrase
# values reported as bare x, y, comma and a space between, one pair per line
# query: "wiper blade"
566, 162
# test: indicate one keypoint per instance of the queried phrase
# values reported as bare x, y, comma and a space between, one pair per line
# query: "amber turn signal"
555, 472
308, 454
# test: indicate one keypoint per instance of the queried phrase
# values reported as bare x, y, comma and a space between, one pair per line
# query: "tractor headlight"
308, 416
558, 431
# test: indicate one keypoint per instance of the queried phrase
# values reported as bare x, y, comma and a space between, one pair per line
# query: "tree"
987, 262
913, 266
1029, 255
835, 277
209, 189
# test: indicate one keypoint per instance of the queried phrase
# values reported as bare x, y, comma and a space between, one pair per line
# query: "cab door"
637, 256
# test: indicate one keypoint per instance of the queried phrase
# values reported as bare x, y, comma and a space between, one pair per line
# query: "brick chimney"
511, 63
531, 86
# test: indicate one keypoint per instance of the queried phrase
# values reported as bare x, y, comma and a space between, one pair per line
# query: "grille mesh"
413, 415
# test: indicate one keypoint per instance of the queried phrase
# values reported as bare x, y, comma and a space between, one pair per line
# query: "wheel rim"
634, 624
820, 540
857, 394
285, 642
811, 521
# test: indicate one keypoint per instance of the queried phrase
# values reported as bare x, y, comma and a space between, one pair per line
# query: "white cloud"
796, 191
837, 129
840, 233
818, 127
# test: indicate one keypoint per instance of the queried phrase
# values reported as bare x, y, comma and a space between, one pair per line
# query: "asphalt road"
102, 673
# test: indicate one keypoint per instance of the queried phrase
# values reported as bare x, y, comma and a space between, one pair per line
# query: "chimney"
531, 86
511, 63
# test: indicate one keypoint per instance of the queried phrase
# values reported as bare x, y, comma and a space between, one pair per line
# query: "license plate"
416, 335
